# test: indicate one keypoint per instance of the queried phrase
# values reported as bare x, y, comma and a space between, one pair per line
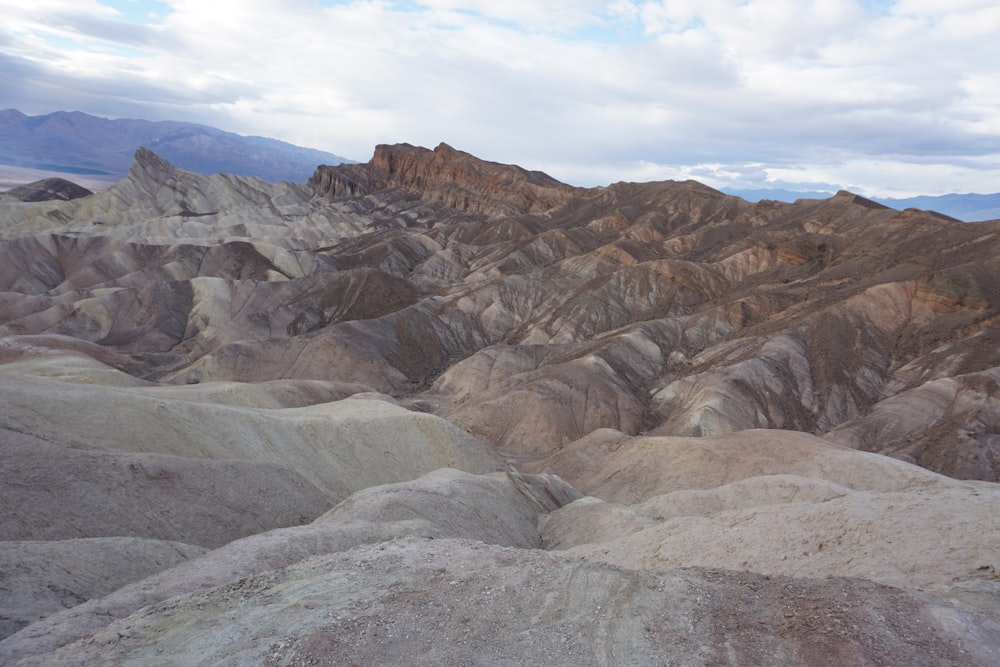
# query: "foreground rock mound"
779, 545
495, 509
419, 602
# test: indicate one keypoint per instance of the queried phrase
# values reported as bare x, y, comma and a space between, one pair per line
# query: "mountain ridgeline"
78, 143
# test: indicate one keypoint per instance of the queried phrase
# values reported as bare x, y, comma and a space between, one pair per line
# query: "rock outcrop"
47, 189
458, 180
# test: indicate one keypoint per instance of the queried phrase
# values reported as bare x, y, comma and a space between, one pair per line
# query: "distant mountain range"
100, 150
966, 207
78, 143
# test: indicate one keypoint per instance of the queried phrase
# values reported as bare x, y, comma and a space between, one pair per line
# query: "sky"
884, 98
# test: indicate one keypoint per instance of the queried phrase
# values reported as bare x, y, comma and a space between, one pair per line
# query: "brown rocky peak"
447, 176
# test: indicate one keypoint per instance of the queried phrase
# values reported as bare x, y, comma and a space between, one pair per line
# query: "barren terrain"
435, 410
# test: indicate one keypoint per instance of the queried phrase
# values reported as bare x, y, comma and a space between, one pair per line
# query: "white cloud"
899, 178
552, 16
595, 91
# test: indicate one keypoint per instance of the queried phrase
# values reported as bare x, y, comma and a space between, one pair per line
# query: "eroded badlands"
435, 410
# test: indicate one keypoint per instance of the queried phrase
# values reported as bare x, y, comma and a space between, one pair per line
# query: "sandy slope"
434, 602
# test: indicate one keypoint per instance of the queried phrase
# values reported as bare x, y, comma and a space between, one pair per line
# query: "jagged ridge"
453, 178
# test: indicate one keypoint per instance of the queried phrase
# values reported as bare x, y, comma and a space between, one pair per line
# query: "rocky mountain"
436, 410
78, 143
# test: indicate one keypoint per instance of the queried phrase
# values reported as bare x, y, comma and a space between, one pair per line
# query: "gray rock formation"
420, 602
47, 189
496, 509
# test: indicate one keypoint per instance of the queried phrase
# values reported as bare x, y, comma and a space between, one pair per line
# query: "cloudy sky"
886, 98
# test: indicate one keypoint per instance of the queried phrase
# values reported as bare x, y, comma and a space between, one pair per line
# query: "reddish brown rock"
447, 176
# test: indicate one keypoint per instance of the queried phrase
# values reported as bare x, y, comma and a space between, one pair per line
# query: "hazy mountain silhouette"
965, 207
78, 143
